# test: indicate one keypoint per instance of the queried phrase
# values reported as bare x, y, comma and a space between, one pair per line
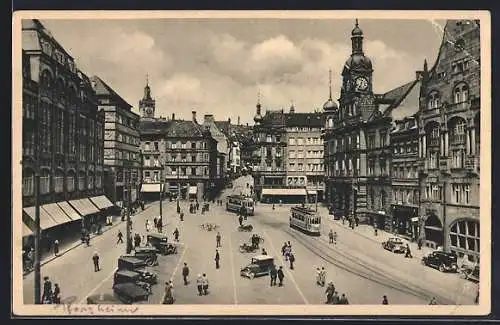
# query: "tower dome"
258, 118
357, 31
357, 60
330, 104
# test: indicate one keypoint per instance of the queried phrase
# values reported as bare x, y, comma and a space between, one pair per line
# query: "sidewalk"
367, 231
69, 246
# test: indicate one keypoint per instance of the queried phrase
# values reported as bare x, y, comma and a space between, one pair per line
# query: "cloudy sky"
219, 66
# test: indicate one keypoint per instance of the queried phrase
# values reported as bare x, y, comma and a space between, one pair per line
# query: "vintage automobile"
147, 254
129, 293
160, 242
443, 261
128, 276
394, 245
259, 265
131, 263
470, 272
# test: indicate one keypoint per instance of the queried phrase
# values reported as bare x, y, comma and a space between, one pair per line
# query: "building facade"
405, 178
304, 152
449, 147
62, 132
223, 151
121, 144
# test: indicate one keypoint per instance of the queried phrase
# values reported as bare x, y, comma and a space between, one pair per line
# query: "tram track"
355, 266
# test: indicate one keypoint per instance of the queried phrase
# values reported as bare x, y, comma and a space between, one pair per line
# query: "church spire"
147, 89
357, 39
330, 83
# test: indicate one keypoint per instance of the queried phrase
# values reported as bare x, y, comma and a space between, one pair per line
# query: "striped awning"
27, 231
70, 212
152, 188
56, 213
102, 202
284, 191
84, 206
46, 220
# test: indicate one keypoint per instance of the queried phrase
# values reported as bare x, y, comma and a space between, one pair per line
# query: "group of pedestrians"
332, 296
194, 207
332, 237
277, 274
50, 295
201, 280
219, 202
158, 223
286, 250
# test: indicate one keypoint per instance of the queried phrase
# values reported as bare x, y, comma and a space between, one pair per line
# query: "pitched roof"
224, 126
156, 126
103, 89
185, 129
404, 100
303, 119
397, 94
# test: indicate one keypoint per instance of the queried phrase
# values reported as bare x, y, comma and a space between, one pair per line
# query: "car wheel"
441, 268
393, 249
423, 262
251, 276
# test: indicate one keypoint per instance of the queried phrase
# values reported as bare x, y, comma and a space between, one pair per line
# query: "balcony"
458, 107
472, 164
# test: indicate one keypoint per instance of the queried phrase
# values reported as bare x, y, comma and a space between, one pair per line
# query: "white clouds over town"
220, 68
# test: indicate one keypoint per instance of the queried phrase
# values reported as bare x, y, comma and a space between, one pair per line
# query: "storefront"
89, 212
283, 195
405, 221
108, 209
193, 192
151, 192
465, 239
433, 231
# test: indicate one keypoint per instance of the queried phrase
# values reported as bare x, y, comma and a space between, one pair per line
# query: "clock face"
149, 110
361, 83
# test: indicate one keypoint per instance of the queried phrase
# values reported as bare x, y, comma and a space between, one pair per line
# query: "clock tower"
147, 103
356, 94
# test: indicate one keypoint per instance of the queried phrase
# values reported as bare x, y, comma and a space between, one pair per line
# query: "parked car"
394, 245
443, 261
259, 265
470, 272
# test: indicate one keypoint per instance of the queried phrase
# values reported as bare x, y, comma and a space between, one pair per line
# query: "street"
358, 267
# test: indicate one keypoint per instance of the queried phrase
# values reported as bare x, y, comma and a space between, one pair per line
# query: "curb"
78, 243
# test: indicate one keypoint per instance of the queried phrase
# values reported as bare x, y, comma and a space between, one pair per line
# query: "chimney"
418, 75
208, 119
194, 116
229, 120
238, 120
173, 116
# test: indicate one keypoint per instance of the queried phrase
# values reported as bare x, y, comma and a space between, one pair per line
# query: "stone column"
473, 141
468, 146
420, 154
424, 145
442, 145
446, 144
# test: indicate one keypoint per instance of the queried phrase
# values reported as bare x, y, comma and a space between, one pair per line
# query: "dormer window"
433, 100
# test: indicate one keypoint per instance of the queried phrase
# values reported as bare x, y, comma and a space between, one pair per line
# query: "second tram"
236, 202
306, 220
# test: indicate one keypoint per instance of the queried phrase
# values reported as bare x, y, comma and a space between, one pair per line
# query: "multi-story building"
223, 151
62, 136
121, 144
304, 152
269, 170
405, 177
449, 130
190, 169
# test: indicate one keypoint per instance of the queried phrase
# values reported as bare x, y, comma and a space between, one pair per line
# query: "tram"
306, 220
236, 202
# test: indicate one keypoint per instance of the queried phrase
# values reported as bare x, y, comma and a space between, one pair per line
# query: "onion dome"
330, 104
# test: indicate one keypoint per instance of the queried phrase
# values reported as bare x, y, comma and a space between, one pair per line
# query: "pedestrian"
120, 237
155, 222
56, 295
160, 225
217, 239
148, 226
199, 284
95, 258
283, 249
408, 252
47, 291
273, 206
433, 301
87, 239
56, 247
291, 258
99, 228
197, 205
137, 240
384, 300
240, 219
205, 284
419, 243
335, 298
281, 276
176, 234
264, 251
274, 274
185, 274
375, 231
343, 300
343, 220
217, 259
356, 220
168, 297
288, 251
335, 238
181, 216
330, 290
330, 237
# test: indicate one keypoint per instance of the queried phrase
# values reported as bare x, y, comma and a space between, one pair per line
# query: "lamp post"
129, 241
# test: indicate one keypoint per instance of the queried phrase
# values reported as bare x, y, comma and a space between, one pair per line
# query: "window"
147, 174
58, 182
458, 158
433, 160
70, 182
383, 167
45, 182
193, 158
81, 181
461, 193
156, 146
269, 138
291, 154
371, 141
291, 141
183, 171
433, 100
300, 141
156, 176
457, 132
193, 145
433, 192
464, 238
28, 183
91, 181
383, 138
460, 93
301, 167
371, 167
147, 162
300, 154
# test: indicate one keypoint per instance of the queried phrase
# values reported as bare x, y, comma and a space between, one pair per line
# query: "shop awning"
84, 206
46, 220
56, 213
312, 192
27, 231
433, 228
193, 189
70, 212
152, 188
284, 191
102, 202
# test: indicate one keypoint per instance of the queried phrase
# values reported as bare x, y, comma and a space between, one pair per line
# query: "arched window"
457, 131
58, 181
432, 134
81, 181
45, 182
28, 182
433, 101
460, 93
329, 122
70, 181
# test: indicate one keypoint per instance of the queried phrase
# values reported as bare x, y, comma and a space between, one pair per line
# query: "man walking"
281, 276
176, 234
384, 300
185, 274
291, 257
217, 259
199, 284
95, 258
47, 291
217, 239
56, 247
160, 225
56, 295
274, 275
335, 238
120, 237
240, 219
205, 284
330, 237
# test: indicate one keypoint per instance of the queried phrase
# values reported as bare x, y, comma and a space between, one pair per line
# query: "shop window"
453, 240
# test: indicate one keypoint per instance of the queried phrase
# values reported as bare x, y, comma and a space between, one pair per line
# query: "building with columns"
449, 142
121, 144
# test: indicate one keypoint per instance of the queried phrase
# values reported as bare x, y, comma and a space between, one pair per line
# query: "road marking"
287, 271
174, 271
84, 299
232, 269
